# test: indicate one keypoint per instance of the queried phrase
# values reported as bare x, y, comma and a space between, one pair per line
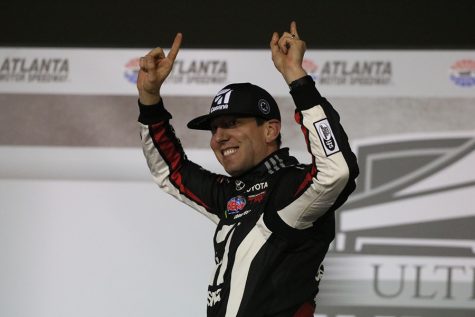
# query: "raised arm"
168, 164
329, 180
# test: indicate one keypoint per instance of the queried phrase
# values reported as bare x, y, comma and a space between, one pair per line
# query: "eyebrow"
221, 120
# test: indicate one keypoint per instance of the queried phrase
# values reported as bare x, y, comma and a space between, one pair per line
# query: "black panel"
325, 24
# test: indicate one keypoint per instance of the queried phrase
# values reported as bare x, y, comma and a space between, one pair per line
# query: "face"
239, 143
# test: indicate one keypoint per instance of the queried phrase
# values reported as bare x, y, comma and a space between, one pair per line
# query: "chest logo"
235, 205
239, 184
257, 198
257, 187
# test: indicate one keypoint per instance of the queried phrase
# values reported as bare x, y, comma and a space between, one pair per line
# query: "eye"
225, 124
231, 123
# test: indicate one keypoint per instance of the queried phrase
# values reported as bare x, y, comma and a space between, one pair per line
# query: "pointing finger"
293, 28
175, 47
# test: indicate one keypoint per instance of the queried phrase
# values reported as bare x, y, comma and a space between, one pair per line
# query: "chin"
232, 172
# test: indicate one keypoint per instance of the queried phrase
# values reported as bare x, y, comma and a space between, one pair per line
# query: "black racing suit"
274, 223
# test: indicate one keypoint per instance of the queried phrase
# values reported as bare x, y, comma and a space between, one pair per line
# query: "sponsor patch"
257, 198
235, 205
258, 186
239, 185
326, 136
214, 297
242, 214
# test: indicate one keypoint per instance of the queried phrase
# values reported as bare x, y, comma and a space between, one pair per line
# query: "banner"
204, 72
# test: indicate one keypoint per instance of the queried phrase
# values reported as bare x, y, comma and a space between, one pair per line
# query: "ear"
272, 130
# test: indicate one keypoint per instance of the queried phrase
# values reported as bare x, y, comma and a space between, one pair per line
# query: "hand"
154, 69
287, 54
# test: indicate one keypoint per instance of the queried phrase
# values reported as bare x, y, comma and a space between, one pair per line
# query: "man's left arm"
331, 177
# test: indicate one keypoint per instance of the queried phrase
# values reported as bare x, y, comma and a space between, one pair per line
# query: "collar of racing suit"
271, 164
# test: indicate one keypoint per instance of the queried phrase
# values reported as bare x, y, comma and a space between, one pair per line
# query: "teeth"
229, 152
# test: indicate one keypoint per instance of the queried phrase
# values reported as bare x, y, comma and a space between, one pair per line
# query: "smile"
228, 152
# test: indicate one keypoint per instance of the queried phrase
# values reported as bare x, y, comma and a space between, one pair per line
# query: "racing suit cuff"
304, 93
153, 114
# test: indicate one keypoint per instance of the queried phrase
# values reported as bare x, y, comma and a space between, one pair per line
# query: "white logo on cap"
221, 100
264, 106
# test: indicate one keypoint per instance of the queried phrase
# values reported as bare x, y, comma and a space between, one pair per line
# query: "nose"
220, 135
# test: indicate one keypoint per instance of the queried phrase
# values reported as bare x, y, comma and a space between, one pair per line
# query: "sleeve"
170, 168
330, 178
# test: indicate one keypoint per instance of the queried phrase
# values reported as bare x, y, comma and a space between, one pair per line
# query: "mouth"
229, 151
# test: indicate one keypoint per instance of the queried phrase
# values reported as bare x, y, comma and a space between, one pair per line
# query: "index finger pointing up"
175, 47
293, 28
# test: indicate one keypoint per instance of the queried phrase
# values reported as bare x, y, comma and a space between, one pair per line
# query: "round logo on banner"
132, 70
310, 67
462, 73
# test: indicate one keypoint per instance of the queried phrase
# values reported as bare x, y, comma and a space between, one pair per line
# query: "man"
274, 216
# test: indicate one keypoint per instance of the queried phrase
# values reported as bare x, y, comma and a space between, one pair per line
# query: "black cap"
241, 99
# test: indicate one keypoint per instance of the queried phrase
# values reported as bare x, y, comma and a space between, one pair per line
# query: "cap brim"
201, 122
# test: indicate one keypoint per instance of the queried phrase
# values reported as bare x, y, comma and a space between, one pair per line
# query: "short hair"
278, 140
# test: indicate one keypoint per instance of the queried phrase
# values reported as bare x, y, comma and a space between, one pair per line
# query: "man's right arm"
171, 170
168, 164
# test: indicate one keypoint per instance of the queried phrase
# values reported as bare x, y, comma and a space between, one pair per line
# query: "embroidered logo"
235, 205
264, 106
258, 186
239, 184
257, 198
326, 136
221, 100
214, 297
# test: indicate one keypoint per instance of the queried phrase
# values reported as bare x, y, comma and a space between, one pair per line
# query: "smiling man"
274, 216
245, 123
